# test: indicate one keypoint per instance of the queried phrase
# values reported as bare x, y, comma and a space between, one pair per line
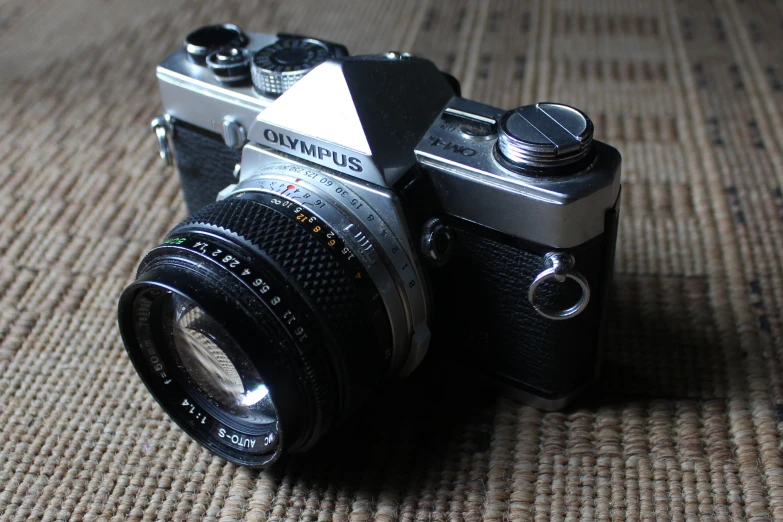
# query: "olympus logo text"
315, 151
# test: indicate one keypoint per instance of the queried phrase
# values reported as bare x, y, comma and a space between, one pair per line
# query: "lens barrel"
252, 330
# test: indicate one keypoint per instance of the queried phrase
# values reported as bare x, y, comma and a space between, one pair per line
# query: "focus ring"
317, 271
333, 293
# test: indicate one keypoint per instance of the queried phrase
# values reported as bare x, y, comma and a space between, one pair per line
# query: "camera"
345, 213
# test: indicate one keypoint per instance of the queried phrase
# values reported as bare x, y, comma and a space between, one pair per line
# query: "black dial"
277, 67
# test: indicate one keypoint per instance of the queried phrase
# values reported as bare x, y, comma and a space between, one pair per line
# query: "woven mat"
685, 421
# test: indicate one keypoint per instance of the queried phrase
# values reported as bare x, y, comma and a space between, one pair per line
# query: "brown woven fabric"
685, 421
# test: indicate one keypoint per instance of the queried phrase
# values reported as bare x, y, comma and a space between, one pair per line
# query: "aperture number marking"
259, 284
193, 410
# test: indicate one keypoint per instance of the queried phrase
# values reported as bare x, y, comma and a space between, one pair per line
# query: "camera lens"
208, 38
254, 330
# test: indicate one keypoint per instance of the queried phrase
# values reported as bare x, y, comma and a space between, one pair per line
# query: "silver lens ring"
395, 275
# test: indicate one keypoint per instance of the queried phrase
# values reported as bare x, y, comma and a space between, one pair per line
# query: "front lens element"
215, 367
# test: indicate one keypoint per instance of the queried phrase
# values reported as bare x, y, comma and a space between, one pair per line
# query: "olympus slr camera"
345, 213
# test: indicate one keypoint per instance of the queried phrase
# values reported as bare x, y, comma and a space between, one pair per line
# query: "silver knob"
230, 65
161, 126
233, 134
544, 135
559, 268
277, 67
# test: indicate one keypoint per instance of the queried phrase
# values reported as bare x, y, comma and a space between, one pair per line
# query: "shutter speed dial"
277, 67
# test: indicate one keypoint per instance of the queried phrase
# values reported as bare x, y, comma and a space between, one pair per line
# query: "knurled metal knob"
204, 40
229, 64
277, 67
544, 135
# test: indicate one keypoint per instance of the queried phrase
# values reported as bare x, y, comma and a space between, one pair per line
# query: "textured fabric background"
685, 422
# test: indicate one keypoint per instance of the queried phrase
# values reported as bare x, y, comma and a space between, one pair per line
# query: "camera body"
487, 232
